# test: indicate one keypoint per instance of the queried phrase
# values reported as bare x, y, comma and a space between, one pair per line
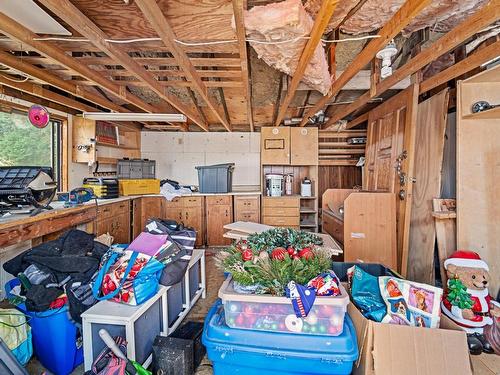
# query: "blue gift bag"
127, 277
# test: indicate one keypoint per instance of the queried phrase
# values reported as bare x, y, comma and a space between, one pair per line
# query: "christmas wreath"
268, 261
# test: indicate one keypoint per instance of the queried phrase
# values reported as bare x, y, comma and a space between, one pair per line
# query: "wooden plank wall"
337, 177
430, 130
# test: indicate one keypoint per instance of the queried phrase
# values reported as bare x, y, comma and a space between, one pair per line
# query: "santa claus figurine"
466, 300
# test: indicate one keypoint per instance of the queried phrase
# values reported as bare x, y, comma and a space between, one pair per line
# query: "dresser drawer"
110, 210
192, 201
176, 202
281, 202
281, 221
246, 203
216, 200
334, 227
252, 216
280, 211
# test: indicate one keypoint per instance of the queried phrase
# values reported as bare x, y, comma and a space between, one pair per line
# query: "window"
22, 144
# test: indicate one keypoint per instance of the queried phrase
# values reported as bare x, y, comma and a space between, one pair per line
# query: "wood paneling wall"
338, 177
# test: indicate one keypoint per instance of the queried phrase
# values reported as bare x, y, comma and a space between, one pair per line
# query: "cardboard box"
386, 349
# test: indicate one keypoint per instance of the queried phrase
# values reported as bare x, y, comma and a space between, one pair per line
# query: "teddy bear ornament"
466, 300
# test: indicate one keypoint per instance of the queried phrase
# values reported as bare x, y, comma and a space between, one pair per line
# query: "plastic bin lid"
227, 165
343, 347
227, 293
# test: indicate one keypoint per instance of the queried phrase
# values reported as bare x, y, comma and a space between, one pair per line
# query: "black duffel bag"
184, 239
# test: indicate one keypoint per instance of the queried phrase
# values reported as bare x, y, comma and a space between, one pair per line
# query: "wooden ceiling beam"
238, 7
464, 66
153, 61
470, 26
169, 83
319, 27
157, 20
17, 63
80, 22
392, 28
15, 30
40, 92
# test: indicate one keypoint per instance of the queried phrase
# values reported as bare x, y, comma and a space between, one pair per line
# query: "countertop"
58, 207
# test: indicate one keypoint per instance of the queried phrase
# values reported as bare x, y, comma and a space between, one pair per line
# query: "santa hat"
466, 258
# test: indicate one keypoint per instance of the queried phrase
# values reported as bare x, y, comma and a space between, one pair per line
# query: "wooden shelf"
116, 146
308, 225
301, 197
493, 113
105, 160
307, 211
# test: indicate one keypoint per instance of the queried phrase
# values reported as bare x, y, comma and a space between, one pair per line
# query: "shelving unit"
86, 148
290, 151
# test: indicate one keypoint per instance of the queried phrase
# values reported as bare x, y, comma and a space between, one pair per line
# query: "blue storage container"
237, 351
54, 337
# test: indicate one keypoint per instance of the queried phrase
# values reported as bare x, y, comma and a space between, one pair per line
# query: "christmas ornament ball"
311, 319
233, 307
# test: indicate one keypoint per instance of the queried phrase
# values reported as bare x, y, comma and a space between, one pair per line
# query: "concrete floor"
197, 313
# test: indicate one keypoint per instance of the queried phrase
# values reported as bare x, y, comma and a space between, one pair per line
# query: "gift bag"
127, 276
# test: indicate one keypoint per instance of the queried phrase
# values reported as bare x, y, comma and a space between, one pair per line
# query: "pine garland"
457, 294
272, 275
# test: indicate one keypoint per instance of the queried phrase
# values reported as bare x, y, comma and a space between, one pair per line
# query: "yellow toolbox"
139, 186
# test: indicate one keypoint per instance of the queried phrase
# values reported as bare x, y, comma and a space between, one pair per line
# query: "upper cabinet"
304, 146
289, 146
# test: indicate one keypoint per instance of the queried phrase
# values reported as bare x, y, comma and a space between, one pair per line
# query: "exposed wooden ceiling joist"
17, 31
44, 75
464, 66
156, 18
39, 91
479, 20
319, 27
238, 7
392, 28
80, 22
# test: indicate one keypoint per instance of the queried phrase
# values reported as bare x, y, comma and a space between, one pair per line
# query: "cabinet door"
144, 209
174, 213
83, 134
275, 145
193, 217
304, 146
120, 227
217, 217
103, 226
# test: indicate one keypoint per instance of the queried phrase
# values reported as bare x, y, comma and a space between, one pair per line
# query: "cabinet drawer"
105, 211
333, 227
281, 221
176, 202
280, 211
281, 202
192, 201
215, 200
246, 203
252, 216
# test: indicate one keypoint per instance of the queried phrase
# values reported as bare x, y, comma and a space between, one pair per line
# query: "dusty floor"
214, 280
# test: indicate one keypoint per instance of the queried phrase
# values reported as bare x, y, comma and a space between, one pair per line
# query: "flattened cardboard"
393, 349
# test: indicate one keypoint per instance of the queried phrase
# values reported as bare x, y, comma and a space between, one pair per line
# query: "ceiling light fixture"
143, 117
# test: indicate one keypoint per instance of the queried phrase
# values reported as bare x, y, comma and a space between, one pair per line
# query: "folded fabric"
149, 244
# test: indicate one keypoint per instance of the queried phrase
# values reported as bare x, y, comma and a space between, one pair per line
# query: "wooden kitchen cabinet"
281, 211
190, 212
303, 146
146, 208
219, 212
247, 208
114, 219
275, 145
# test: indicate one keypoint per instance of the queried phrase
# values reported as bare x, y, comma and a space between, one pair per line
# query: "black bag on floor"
184, 240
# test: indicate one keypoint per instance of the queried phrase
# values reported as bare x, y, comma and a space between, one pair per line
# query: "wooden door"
391, 136
217, 217
304, 146
275, 145
193, 217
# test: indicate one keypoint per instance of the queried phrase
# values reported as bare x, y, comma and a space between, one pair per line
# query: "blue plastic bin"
54, 337
237, 351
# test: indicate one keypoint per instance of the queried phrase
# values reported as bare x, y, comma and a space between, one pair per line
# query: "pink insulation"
440, 15
287, 20
343, 7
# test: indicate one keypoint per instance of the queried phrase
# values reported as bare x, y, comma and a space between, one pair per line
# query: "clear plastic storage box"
269, 313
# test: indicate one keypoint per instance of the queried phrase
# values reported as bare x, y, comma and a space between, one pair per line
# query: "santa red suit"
480, 298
